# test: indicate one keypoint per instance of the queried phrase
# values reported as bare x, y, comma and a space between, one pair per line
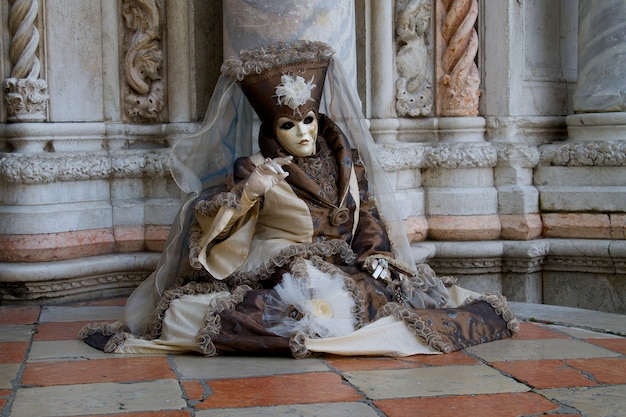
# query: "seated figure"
296, 248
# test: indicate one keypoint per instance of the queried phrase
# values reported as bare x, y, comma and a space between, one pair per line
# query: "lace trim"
286, 256
298, 347
107, 329
212, 326
118, 340
415, 324
210, 207
256, 61
191, 288
195, 236
117, 332
500, 306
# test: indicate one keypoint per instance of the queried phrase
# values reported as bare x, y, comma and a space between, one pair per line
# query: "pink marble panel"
577, 225
521, 226
463, 228
56, 246
416, 228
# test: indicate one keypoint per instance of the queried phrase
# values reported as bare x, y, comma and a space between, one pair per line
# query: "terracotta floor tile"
454, 358
5, 392
544, 374
529, 331
59, 331
12, 352
194, 390
492, 405
19, 315
615, 344
605, 370
307, 388
368, 364
97, 370
162, 413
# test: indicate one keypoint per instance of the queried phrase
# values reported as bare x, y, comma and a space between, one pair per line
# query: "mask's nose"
303, 130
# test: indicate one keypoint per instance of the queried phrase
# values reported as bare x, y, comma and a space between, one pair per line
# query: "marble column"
601, 57
25, 92
582, 191
600, 96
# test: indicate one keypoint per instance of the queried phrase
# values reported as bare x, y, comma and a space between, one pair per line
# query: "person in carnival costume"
296, 247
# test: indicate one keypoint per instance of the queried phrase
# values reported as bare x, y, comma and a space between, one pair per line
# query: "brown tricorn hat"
282, 80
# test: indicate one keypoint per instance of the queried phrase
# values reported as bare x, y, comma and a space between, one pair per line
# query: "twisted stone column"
25, 93
457, 45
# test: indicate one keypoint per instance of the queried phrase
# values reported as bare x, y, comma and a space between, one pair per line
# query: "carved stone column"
457, 45
582, 181
25, 92
600, 96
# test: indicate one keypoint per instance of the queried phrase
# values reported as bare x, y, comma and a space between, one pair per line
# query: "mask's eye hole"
308, 120
286, 125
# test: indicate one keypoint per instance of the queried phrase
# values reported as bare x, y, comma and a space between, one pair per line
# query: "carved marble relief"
25, 93
592, 153
144, 98
457, 44
414, 86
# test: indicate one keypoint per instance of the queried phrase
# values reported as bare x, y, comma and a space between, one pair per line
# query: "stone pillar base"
596, 126
76, 279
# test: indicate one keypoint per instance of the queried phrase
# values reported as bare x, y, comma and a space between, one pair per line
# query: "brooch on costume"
294, 92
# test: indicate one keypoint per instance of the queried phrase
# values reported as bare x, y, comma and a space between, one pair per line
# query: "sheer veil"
203, 161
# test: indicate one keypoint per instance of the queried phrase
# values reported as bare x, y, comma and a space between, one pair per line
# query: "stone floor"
564, 363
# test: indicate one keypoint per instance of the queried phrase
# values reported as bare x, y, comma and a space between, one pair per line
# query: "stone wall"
509, 172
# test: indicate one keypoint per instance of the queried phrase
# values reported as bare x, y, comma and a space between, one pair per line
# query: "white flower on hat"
294, 92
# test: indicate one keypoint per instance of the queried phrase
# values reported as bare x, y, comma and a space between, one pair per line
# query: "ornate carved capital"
26, 98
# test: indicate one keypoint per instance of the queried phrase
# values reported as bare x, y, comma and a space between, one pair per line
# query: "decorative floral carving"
25, 93
145, 96
442, 156
47, 168
460, 156
457, 43
414, 87
602, 153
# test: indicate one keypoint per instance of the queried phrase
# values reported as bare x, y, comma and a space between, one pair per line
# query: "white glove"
266, 176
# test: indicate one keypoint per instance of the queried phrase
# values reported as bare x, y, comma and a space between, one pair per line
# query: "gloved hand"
266, 176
